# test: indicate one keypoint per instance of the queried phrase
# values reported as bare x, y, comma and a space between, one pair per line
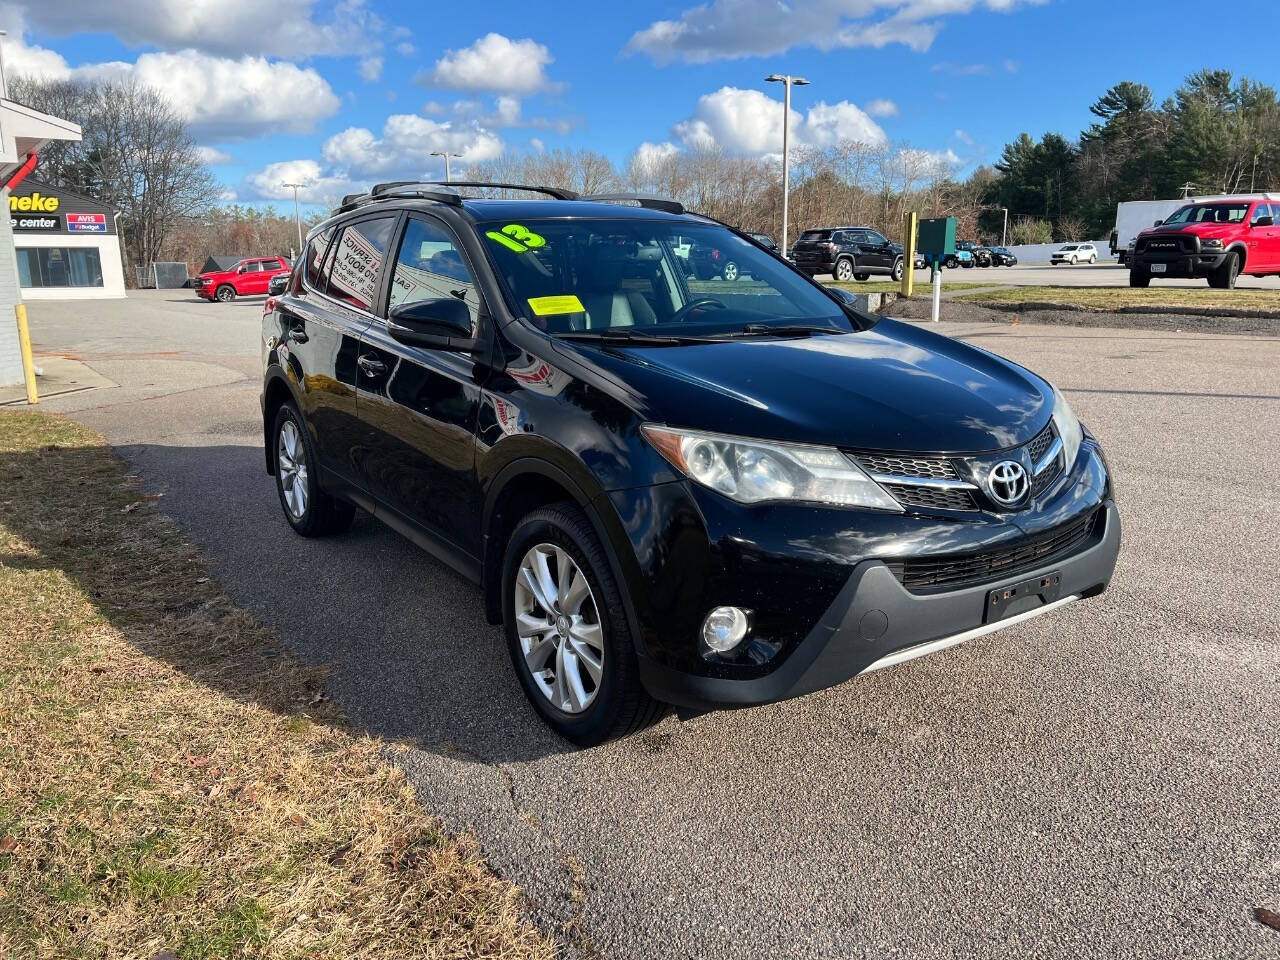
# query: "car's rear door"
331, 304
419, 406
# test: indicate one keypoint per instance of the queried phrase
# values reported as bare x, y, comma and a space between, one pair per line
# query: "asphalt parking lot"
1102, 782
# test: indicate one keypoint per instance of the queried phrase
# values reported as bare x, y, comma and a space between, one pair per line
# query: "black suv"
847, 253
671, 491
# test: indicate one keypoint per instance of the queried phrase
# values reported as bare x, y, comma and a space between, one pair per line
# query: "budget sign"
87, 222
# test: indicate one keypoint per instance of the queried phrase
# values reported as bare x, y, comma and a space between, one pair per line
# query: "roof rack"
558, 193
395, 189
649, 203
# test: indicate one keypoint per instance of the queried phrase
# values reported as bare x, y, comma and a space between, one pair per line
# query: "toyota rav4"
670, 490
1218, 240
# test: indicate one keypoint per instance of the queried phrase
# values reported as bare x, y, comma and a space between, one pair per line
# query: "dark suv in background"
847, 253
670, 490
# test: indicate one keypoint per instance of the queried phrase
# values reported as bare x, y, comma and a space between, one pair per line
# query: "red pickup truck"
246, 278
1218, 239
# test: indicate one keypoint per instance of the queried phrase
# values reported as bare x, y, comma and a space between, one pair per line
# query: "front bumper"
875, 622
1186, 265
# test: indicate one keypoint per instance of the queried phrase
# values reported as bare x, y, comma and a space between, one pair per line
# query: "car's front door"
880, 253
419, 406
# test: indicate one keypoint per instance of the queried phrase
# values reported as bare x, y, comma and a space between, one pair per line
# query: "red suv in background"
246, 278
1216, 239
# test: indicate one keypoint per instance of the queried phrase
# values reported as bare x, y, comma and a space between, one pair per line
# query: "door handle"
371, 365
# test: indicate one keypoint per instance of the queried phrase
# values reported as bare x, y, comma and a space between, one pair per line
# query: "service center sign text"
33, 203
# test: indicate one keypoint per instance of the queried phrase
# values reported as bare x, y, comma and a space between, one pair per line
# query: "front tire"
569, 639
1224, 278
310, 511
1093, 258
226, 293
1139, 278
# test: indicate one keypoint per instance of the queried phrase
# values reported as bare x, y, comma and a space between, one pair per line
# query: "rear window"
815, 235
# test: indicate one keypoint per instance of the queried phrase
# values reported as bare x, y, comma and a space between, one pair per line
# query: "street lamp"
1004, 233
297, 213
446, 154
787, 82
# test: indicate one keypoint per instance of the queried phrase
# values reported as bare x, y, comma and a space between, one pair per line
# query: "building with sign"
66, 244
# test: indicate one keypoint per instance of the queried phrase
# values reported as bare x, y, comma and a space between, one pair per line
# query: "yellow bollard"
24, 345
909, 224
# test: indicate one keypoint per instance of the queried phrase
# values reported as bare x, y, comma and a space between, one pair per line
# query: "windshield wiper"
615, 335
784, 330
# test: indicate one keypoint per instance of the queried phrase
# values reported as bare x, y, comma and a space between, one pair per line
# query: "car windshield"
1209, 213
649, 277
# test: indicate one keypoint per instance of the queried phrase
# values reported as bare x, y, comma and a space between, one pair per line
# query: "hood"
1202, 230
893, 387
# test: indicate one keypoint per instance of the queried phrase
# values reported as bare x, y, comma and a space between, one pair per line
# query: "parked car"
1073, 253
847, 253
709, 262
1217, 240
708, 497
982, 256
247, 278
961, 258
1003, 257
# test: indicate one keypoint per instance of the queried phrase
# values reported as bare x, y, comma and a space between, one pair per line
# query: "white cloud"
1010, 66
496, 64
318, 187
405, 146
213, 156
751, 122
537, 144
929, 162
964, 137
962, 69
732, 29
649, 157
882, 108
229, 27
217, 96
371, 69
406, 49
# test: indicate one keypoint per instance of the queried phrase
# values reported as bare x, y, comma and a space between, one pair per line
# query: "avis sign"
87, 222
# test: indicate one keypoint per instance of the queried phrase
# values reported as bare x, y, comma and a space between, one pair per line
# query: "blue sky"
341, 94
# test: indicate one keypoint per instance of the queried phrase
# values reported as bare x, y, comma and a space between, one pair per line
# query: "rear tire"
310, 511
730, 271
1139, 278
1224, 278
1093, 258
617, 703
844, 270
897, 271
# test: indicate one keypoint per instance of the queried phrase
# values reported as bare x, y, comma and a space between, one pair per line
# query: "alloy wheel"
291, 462
559, 628
844, 270
730, 271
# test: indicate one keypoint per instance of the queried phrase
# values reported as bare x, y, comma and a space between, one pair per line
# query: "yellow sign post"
24, 346
908, 252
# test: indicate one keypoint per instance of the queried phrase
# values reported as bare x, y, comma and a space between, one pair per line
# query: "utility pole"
297, 212
787, 82
446, 154
1004, 233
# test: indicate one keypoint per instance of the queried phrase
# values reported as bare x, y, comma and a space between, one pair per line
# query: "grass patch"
170, 779
1113, 298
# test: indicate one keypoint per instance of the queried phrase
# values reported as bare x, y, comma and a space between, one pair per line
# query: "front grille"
905, 465
1040, 443
1174, 244
938, 498
922, 574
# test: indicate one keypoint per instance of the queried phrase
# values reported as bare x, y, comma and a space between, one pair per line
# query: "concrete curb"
1021, 306
966, 311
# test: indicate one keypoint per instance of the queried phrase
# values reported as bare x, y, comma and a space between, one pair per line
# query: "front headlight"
755, 471
1211, 244
1068, 426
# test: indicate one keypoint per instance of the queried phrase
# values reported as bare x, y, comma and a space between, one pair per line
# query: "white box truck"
1134, 216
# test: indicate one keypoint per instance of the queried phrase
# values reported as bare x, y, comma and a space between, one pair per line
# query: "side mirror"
276, 285
1264, 221
444, 323
1157, 223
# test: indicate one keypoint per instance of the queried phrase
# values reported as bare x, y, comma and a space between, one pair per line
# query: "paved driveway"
1098, 783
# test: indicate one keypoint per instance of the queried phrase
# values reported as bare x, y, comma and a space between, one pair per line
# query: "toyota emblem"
1008, 482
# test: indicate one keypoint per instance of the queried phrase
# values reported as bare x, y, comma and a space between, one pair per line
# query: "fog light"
725, 628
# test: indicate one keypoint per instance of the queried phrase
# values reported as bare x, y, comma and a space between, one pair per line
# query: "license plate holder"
1159, 268
1007, 600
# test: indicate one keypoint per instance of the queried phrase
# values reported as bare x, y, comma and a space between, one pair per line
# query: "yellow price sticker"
550, 306
517, 237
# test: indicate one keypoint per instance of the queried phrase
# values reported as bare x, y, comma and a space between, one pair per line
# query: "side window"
357, 261
429, 267
1263, 210
314, 273
875, 239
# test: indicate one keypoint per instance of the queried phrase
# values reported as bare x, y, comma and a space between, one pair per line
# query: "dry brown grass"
1114, 298
170, 779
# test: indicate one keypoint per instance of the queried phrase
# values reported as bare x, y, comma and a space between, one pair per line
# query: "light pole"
1004, 232
297, 213
446, 154
787, 82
